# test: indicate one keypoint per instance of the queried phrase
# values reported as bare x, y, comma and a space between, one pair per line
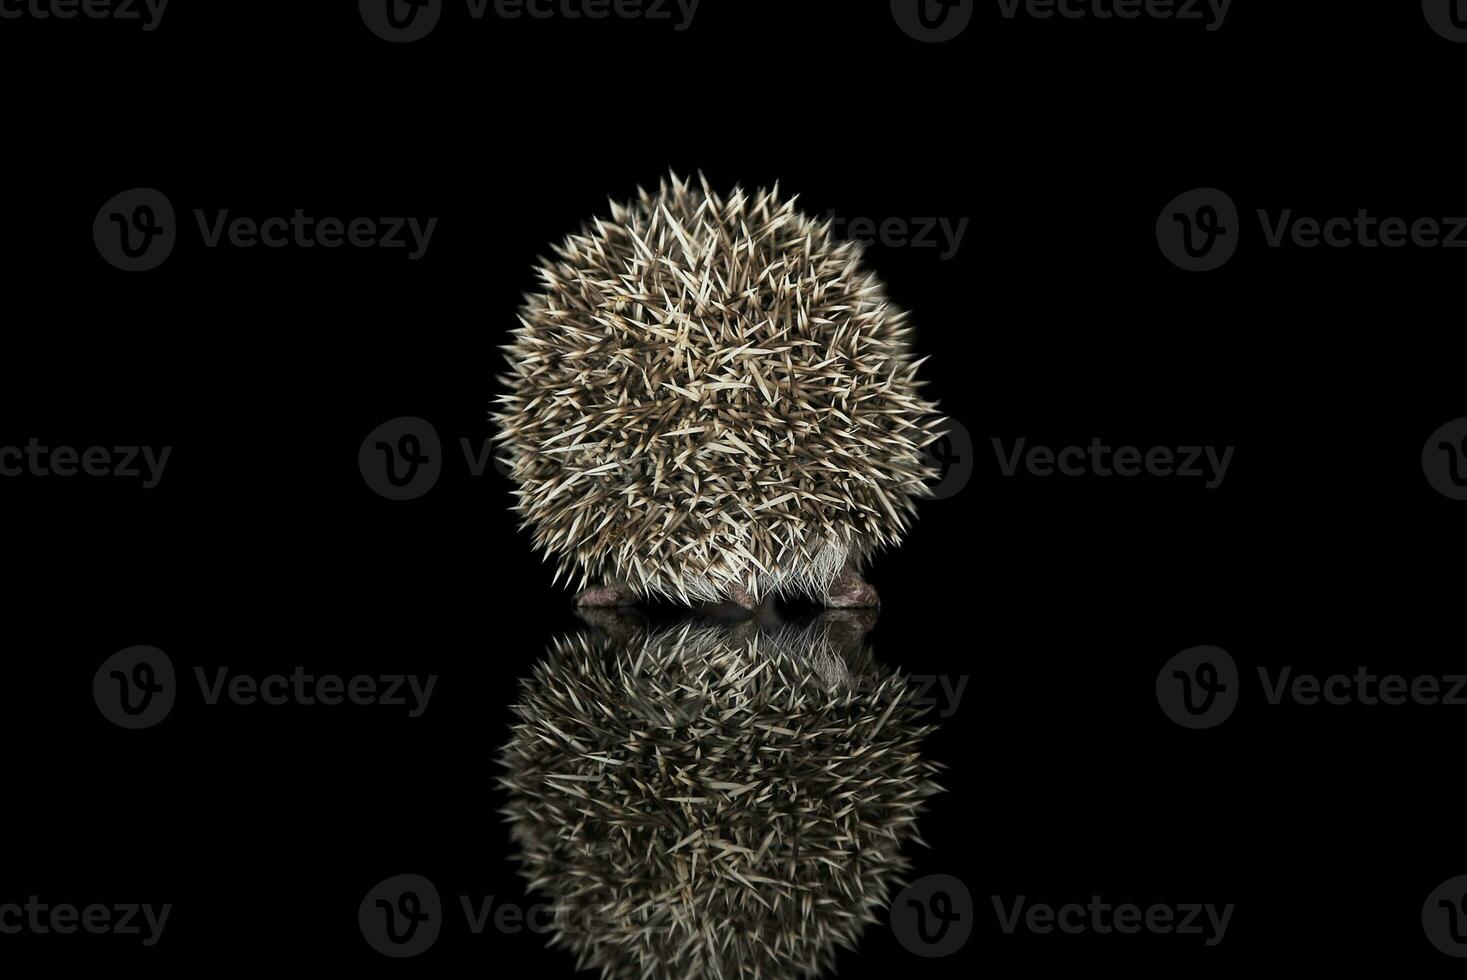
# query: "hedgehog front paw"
739, 596
851, 591
737, 605
606, 596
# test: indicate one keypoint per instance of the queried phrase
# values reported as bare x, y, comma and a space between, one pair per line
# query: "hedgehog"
710, 399
714, 801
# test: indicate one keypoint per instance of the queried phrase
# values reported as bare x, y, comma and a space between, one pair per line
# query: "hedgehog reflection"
715, 802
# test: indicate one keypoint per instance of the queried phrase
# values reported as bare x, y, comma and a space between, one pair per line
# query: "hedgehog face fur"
714, 802
710, 399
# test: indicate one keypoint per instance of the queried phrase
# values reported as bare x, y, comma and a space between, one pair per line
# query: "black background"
1059, 320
